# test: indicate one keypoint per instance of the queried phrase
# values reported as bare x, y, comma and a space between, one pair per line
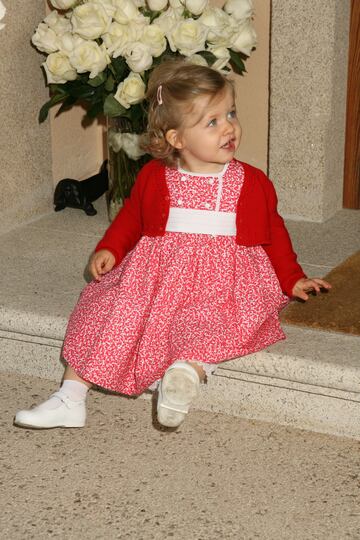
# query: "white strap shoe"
70, 414
177, 389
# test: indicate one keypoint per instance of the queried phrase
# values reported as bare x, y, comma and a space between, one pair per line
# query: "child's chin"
228, 155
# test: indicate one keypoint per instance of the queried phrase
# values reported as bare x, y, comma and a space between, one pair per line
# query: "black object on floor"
80, 194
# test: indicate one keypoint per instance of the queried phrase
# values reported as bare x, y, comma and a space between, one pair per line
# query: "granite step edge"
287, 361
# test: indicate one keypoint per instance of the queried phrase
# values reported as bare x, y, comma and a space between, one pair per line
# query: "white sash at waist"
188, 220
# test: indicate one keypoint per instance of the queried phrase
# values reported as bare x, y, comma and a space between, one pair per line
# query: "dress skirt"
176, 297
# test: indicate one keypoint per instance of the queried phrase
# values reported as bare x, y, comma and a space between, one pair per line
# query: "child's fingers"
324, 284
93, 270
302, 295
312, 285
107, 266
101, 263
104, 264
304, 286
96, 266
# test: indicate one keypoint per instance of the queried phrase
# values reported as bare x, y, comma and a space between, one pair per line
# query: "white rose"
221, 27
90, 21
169, 19
126, 11
245, 40
197, 59
88, 56
239, 9
45, 39
107, 5
2, 10
222, 57
188, 37
156, 5
137, 26
130, 91
131, 146
138, 57
176, 4
196, 7
114, 139
116, 39
139, 3
58, 23
68, 42
63, 4
154, 37
2, 14
58, 69
129, 142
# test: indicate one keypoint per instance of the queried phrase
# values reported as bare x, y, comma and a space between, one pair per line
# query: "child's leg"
199, 370
177, 389
71, 375
65, 408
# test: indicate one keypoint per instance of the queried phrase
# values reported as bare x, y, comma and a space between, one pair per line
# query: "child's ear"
173, 138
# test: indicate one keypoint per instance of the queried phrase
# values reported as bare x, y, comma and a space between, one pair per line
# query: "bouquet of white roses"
101, 52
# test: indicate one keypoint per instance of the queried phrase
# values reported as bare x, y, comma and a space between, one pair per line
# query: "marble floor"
219, 477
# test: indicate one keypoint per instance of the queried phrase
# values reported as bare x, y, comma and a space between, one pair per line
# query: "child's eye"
212, 122
232, 114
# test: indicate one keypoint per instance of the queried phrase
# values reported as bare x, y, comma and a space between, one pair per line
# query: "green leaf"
138, 117
237, 63
95, 110
120, 68
67, 103
58, 89
113, 108
209, 57
98, 80
44, 111
81, 91
110, 83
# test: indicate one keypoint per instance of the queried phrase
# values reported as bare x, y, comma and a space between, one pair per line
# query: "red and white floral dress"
181, 296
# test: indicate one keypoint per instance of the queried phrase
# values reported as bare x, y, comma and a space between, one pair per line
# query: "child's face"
212, 141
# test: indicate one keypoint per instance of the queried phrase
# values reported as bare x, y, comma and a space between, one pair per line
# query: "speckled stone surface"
121, 477
309, 43
26, 176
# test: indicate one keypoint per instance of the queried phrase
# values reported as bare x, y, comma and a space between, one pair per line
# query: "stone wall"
309, 48
25, 147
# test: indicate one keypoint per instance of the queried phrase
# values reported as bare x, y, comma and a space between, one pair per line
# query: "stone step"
309, 381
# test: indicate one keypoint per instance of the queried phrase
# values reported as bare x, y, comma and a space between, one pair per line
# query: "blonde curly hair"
172, 88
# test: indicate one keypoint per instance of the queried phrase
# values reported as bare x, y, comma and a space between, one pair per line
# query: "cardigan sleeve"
280, 250
126, 229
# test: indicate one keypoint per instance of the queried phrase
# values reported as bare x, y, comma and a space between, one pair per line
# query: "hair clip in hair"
158, 95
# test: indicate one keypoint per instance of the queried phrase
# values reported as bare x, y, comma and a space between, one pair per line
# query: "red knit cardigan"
146, 211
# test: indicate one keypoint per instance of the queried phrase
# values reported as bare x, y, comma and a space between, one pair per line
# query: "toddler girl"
194, 269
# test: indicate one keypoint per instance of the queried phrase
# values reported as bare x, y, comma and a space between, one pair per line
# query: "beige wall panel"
77, 146
77, 150
253, 93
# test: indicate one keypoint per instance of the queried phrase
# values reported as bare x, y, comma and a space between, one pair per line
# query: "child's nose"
229, 127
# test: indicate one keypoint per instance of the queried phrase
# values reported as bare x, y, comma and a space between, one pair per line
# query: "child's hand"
100, 263
305, 285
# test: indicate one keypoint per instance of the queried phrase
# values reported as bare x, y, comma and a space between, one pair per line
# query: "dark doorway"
351, 197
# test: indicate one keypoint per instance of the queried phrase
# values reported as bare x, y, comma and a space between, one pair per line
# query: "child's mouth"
229, 145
